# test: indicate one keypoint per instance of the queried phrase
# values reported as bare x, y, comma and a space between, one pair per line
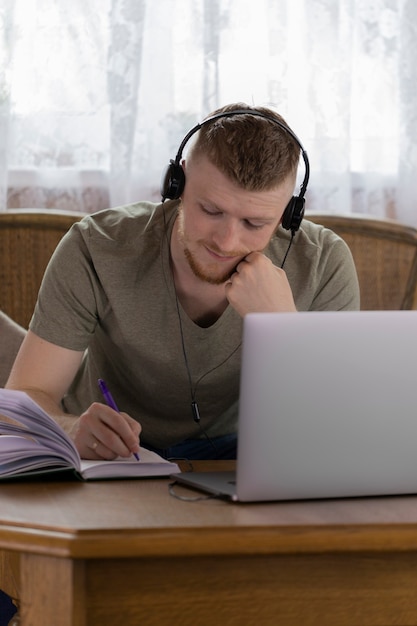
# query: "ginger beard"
210, 272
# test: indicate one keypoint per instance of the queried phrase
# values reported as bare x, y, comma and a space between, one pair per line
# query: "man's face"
220, 223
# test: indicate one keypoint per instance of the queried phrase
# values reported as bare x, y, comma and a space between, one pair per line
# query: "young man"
151, 297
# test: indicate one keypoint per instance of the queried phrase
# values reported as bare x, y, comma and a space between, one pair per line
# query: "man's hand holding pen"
103, 432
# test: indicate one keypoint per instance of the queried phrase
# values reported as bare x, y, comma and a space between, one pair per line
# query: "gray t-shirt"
108, 291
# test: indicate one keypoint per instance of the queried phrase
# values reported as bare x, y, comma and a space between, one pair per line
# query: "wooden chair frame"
385, 255
28, 238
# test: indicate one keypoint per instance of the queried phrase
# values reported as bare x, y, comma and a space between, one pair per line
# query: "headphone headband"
174, 179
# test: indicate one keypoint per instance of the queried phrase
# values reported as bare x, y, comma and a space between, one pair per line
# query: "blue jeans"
200, 449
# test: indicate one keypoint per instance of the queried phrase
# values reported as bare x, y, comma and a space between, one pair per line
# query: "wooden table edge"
189, 541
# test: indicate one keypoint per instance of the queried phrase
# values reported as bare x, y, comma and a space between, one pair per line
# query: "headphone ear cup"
173, 182
293, 214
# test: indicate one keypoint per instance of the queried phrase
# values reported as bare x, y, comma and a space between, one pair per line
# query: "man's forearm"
54, 410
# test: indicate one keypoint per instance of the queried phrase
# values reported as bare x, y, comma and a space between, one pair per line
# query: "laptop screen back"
328, 405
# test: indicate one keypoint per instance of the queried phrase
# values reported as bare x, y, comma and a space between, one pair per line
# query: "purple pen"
111, 403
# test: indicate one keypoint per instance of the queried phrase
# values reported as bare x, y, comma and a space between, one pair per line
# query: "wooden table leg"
52, 591
9, 573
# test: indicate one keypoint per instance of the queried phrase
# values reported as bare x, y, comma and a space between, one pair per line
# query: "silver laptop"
328, 408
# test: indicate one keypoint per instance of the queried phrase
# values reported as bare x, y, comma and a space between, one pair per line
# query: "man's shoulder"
119, 218
312, 236
318, 234
124, 224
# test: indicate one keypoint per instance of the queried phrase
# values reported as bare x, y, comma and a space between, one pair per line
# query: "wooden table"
127, 552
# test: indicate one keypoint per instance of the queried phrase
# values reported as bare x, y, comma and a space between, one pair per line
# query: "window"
96, 96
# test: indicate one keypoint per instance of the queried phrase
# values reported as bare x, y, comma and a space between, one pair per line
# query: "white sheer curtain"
96, 96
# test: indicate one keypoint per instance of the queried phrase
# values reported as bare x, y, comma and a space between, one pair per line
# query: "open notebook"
328, 408
33, 445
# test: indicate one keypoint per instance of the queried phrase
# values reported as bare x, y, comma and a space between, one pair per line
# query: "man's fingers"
105, 433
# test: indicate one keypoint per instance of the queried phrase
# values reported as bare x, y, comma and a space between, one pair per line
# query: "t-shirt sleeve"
320, 269
70, 295
338, 288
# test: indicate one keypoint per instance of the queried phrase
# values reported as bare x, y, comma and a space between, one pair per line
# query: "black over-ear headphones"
174, 179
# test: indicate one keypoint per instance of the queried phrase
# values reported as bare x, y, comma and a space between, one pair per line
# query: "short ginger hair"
254, 152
